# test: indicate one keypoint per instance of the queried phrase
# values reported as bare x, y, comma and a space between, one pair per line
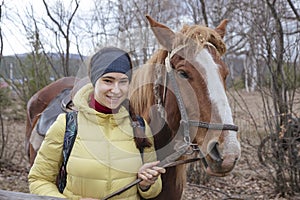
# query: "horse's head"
194, 77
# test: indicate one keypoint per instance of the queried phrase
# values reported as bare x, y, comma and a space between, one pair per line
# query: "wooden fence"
9, 195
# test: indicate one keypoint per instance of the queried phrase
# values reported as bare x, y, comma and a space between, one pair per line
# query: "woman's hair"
140, 137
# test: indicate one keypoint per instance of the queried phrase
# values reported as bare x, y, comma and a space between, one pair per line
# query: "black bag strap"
140, 123
69, 139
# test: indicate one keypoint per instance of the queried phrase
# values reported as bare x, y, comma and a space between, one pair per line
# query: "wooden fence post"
9, 195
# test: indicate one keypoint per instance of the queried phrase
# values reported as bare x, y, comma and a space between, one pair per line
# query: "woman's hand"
149, 173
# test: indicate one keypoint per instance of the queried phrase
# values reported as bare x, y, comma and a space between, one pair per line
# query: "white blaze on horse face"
218, 97
215, 86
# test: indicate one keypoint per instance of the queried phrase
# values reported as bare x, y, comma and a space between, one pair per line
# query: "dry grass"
249, 113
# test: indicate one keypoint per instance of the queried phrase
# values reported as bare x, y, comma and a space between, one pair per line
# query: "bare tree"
123, 24
64, 20
34, 70
267, 34
294, 9
282, 136
1, 36
197, 9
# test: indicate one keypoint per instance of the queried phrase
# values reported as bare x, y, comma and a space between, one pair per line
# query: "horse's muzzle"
218, 164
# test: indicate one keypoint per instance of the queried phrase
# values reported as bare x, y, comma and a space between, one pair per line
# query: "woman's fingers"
150, 165
161, 170
149, 173
151, 169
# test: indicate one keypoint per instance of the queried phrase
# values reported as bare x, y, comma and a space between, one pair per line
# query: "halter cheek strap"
169, 68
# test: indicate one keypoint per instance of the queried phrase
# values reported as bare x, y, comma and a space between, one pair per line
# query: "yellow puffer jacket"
104, 157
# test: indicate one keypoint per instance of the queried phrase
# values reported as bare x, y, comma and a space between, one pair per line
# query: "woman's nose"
116, 88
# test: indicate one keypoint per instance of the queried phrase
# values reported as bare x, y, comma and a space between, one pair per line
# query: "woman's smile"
113, 100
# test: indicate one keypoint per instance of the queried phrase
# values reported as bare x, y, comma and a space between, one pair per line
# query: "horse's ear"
164, 34
221, 29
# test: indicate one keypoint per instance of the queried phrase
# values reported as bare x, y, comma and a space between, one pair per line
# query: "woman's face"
111, 89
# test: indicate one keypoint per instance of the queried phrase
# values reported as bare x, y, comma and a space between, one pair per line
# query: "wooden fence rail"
9, 195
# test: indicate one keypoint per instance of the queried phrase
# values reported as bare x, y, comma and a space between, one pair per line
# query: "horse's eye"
183, 74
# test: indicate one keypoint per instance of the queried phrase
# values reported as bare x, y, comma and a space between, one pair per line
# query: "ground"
249, 179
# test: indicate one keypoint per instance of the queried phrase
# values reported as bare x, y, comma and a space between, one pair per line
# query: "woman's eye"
183, 74
107, 81
124, 82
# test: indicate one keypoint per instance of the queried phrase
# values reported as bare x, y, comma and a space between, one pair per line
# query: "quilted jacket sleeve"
42, 175
150, 156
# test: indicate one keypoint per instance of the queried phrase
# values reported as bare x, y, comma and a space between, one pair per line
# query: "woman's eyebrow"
114, 78
110, 77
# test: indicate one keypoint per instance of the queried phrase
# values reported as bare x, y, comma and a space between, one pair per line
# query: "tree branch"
294, 9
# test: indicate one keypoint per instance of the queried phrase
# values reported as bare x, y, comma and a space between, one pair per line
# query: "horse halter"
185, 122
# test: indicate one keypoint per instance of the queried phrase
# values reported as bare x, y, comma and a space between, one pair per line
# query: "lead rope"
164, 163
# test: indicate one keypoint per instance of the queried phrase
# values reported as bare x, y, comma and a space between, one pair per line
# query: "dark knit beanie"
109, 59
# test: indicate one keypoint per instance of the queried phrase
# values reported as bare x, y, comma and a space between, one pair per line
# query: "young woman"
105, 156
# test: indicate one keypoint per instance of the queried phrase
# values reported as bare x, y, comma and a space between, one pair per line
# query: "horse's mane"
142, 95
145, 78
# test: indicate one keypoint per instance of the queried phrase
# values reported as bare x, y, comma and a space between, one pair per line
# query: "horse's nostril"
213, 151
236, 159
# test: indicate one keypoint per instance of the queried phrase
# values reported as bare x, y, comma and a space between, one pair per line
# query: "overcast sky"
14, 41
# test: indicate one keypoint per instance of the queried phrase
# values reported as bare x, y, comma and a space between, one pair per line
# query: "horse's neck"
175, 176
162, 142
164, 134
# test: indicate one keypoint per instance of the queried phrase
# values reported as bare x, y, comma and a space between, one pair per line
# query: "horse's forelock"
200, 35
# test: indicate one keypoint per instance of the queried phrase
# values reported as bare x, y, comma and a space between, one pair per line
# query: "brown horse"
181, 93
